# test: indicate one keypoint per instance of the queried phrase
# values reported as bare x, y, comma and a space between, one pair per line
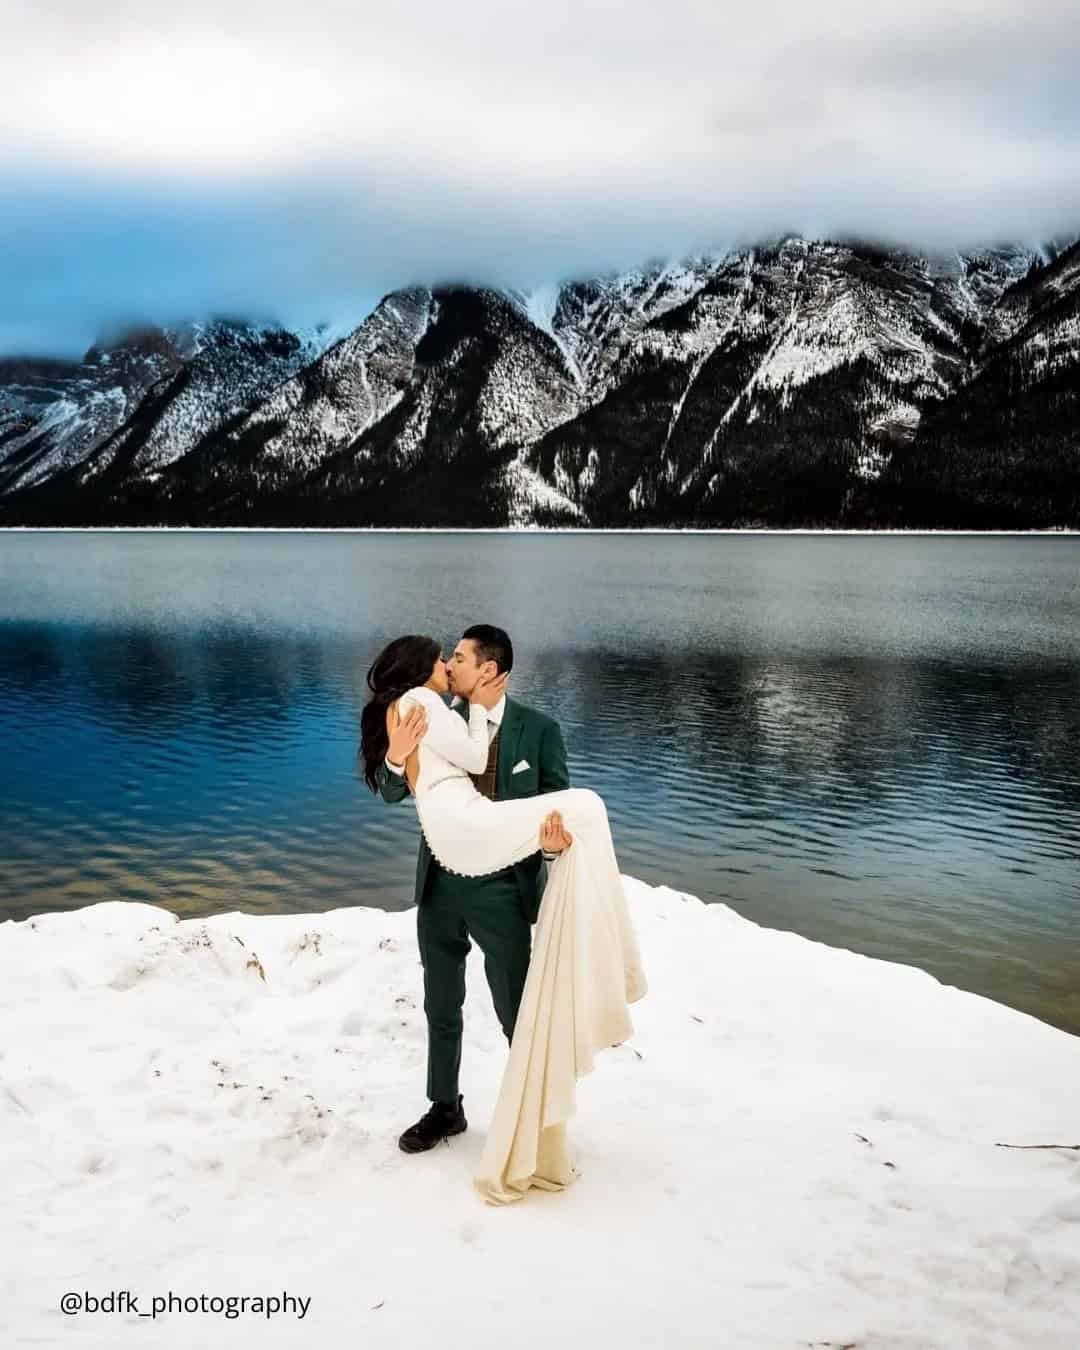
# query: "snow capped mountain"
784, 383
54, 414
330, 403
795, 382
143, 399
594, 322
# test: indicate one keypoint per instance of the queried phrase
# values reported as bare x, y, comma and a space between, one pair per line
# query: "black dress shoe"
441, 1120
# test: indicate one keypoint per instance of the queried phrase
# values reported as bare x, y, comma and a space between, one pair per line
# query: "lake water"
870, 740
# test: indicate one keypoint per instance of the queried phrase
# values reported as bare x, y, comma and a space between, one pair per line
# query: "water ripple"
881, 772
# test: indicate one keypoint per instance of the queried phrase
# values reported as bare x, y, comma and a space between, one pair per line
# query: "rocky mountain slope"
798, 382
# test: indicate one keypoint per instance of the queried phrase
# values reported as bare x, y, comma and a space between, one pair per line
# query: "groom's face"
463, 670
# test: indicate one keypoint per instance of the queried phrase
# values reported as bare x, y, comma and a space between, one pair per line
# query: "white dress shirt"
494, 715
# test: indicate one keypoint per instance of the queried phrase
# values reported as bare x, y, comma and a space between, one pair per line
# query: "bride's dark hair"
401, 665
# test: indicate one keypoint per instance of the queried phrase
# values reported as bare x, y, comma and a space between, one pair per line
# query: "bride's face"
438, 680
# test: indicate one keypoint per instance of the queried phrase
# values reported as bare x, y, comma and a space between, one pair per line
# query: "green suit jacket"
524, 734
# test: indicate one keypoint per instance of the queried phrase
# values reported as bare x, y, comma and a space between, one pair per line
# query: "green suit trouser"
453, 909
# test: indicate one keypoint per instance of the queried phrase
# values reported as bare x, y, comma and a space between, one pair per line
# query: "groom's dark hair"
492, 644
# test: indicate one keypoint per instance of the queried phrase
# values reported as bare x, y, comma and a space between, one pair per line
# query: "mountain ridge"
793, 382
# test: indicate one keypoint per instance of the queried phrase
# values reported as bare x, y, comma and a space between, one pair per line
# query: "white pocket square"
520, 766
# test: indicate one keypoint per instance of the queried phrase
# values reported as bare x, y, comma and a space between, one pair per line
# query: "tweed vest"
485, 782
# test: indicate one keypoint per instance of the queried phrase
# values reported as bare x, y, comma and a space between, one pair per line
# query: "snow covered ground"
798, 1148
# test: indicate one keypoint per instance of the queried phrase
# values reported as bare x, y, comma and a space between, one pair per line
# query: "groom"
526, 758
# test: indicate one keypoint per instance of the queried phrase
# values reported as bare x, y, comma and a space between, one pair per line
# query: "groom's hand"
554, 837
407, 735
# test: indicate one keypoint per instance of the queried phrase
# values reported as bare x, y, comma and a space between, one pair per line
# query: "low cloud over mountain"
797, 382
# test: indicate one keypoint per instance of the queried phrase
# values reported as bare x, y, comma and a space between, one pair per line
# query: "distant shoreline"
493, 529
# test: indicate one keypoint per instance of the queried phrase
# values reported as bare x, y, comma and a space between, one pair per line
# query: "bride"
585, 965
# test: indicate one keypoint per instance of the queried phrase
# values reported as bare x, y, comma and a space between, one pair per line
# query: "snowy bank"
798, 1148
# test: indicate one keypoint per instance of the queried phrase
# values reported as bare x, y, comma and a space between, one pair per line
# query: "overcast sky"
297, 160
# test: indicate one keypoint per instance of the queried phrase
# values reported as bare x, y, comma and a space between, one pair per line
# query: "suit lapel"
510, 733
513, 724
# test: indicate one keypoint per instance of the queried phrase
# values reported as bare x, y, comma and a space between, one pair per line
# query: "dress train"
584, 970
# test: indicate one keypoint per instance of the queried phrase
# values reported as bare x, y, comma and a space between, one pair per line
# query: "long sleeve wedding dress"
585, 966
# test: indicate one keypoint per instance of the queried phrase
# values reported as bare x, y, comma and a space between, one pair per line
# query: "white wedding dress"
585, 965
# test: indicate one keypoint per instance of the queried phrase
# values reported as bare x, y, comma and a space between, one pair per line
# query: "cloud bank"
298, 161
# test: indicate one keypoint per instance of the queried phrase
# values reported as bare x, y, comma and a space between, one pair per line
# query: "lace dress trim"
472, 875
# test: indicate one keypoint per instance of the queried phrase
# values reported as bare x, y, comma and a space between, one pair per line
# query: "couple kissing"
505, 844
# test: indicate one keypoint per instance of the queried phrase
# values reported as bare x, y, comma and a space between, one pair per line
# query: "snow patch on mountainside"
66, 430
1054, 346
353, 385
974, 285
410, 441
523, 397
598, 322
528, 491
540, 307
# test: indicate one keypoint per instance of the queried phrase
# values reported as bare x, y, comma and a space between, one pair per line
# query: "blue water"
870, 740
